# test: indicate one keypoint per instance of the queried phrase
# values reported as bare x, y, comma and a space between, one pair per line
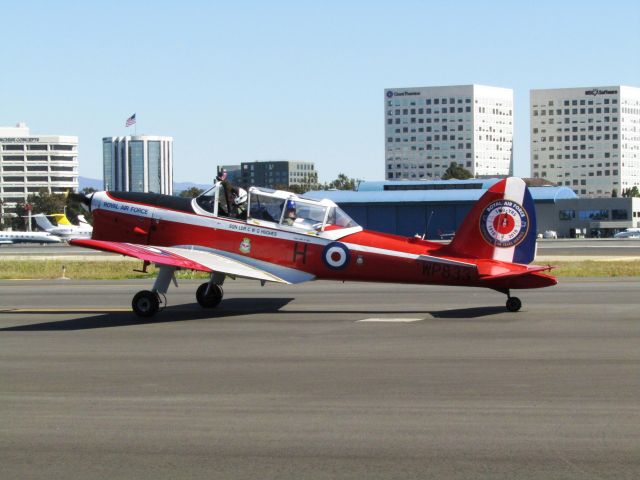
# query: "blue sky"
244, 81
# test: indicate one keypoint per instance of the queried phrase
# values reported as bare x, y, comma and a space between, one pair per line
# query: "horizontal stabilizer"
493, 272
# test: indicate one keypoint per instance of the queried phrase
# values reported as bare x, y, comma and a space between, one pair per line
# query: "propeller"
82, 198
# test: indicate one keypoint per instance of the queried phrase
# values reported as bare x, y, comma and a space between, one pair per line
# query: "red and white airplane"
276, 236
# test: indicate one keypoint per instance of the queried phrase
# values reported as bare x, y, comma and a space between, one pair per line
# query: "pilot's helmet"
291, 206
222, 175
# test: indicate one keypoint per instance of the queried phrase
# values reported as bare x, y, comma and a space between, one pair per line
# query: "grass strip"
81, 270
115, 270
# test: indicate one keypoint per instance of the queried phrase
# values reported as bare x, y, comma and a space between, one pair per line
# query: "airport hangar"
438, 207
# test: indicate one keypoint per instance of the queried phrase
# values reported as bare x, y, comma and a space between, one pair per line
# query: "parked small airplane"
9, 237
64, 228
276, 236
628, 233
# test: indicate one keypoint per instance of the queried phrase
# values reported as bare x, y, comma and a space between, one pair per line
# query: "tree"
45, 202
343, 183
293, 188
614, 193
456, 171
631, 192
191, 192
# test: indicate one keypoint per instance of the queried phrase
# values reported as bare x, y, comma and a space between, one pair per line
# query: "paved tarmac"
286, 382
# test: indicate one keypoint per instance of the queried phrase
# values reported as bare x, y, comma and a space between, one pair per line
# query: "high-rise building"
428, 128
587, 138
279, 174
30, 163
139, 163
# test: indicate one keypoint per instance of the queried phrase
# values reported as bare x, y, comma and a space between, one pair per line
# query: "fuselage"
348, 254
28, 237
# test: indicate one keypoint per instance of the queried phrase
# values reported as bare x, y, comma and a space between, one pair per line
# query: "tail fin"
61, 219
43, 222
501, 225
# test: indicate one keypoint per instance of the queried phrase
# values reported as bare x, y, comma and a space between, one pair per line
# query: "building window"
617, 214
593, 214
567, 214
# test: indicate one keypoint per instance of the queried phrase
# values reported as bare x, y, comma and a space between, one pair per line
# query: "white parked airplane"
64, 228
9, 237
628, 233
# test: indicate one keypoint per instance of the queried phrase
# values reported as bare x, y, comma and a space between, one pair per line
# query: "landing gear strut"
146, 303
209, 295
513, 303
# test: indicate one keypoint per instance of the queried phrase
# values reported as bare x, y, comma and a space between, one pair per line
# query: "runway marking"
64, 310
390, 320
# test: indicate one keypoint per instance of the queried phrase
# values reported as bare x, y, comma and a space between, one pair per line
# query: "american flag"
130, 121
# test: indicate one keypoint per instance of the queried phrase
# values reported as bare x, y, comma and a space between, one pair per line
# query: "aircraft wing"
194, 259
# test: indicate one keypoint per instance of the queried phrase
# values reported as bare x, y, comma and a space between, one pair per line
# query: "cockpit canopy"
295, 211
278, 207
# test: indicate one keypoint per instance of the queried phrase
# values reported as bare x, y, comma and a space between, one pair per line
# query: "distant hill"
85, 182
180, 186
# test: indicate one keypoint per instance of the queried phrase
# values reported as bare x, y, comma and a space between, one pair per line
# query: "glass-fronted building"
429, 128
30, 163
279, 174
141, 163
587, 139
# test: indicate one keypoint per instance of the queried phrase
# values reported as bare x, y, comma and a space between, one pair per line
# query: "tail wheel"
212, 298
514, 304
145, 303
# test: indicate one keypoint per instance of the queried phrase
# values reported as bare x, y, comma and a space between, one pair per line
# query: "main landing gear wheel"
212, 299
514, 304
145, 303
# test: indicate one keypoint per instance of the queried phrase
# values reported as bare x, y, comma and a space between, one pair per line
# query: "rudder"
500, 226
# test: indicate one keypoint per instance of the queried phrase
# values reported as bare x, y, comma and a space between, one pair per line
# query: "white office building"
428, 128
587, 138
30, 163
140, 163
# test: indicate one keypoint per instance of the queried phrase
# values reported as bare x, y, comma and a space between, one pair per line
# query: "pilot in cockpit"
290, 213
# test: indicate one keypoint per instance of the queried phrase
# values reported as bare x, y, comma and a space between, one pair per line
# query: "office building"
139, 163
279, 174
30, 163
587, 138
428, 128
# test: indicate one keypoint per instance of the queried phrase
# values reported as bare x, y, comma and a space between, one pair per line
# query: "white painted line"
391, 320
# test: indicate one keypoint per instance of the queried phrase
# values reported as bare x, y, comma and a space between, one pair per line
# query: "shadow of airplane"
466, 313
178, 313
229, 308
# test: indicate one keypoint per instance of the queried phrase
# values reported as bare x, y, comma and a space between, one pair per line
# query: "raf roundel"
336, 256
504, 224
